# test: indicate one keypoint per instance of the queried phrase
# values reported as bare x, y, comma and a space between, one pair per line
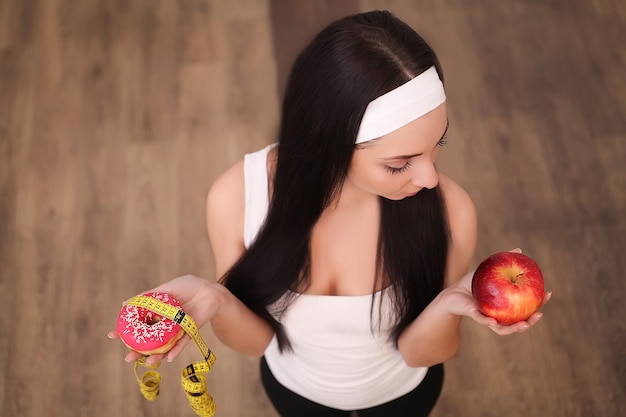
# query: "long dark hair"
347, 65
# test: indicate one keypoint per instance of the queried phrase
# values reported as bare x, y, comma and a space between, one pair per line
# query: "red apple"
508, 286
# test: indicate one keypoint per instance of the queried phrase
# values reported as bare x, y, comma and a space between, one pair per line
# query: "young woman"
342, 253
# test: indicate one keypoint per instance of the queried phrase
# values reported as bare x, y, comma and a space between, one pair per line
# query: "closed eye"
444, 137
398, 170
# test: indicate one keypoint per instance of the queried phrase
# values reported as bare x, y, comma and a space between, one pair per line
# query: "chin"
397, 197
404, 195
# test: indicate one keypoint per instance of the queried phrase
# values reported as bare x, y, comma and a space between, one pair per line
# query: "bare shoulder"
463, 227
225, 217
228, 189
458, 202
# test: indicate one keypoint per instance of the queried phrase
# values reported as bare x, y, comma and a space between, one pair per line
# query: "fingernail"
127, 360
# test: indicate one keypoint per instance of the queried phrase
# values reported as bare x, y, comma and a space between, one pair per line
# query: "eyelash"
393, 170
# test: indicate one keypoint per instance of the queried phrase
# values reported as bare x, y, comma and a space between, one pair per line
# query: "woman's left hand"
461, 302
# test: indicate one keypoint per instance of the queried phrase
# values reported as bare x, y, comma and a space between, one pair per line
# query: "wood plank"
296, 23
115, 118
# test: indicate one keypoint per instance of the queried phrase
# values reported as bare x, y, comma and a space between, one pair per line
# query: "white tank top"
341, 357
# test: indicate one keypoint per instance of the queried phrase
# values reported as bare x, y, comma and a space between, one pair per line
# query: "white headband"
401, 105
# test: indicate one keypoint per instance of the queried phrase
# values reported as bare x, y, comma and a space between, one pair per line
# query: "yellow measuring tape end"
193, 378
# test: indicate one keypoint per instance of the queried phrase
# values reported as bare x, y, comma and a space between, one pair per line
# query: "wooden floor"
116, 116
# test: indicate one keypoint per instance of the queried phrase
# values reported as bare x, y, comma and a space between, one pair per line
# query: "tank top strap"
256, 192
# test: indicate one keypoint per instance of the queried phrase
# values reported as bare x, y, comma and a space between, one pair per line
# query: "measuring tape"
193, 377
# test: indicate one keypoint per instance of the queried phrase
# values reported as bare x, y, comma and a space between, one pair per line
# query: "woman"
342, 252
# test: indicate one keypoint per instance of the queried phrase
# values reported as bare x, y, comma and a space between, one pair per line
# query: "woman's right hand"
199, 299
462, 303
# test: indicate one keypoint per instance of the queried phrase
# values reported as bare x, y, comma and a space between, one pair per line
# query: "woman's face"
401, 163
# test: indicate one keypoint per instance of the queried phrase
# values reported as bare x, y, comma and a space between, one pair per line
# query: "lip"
411, 194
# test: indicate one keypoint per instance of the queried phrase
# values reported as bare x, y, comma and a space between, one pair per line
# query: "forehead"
413, 138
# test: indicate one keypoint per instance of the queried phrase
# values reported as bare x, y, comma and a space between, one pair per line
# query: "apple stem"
517, 277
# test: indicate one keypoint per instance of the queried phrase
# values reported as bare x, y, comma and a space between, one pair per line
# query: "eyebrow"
394, 158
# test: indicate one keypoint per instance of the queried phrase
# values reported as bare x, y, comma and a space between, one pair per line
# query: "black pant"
417, 403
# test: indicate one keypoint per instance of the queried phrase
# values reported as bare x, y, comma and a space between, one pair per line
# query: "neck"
352, 198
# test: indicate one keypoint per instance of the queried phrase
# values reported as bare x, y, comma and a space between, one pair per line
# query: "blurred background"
117, 115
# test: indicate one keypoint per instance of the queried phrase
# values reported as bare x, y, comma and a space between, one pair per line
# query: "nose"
424, 175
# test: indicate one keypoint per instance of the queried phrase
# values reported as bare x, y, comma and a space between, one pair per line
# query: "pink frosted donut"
147, 332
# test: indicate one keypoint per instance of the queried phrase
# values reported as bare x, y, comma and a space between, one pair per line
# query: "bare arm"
233, 323
206, 301
434, 335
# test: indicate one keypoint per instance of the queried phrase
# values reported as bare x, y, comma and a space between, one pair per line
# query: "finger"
168, 287
154, 359
173, 286
173, 353
501, 330
480, 318
113, 334
532, 320
132, 356
546, 297
516, 250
